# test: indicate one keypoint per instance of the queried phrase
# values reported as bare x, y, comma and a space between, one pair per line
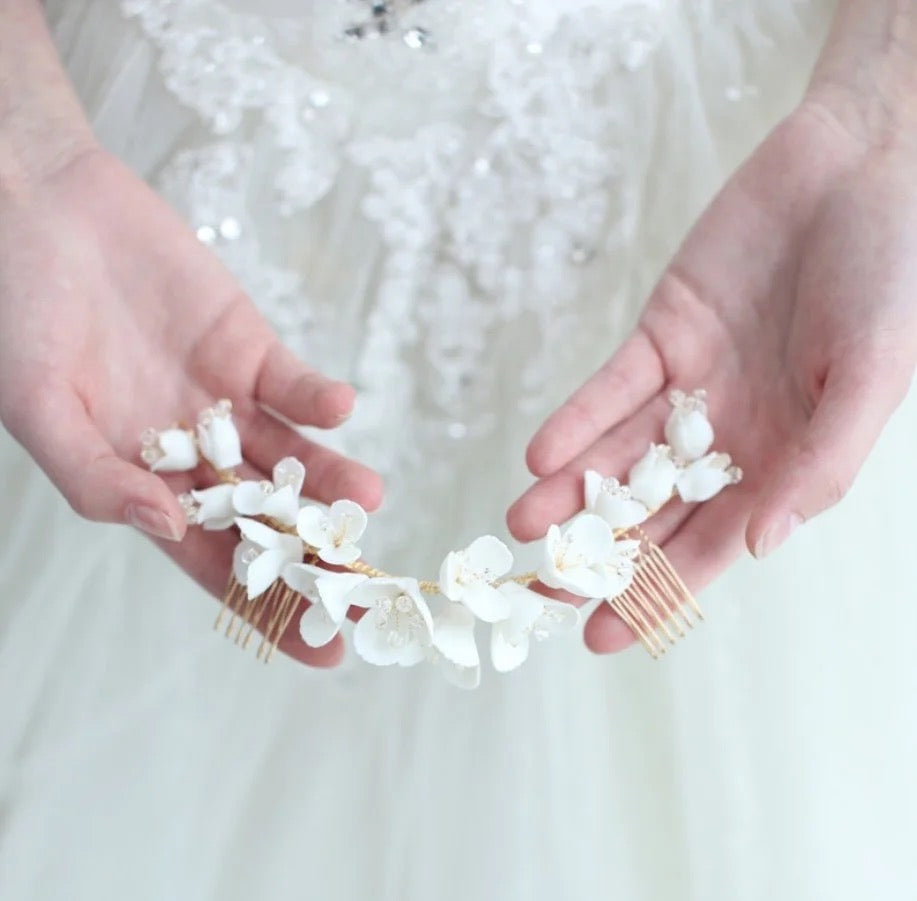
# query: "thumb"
97, 483
817, 472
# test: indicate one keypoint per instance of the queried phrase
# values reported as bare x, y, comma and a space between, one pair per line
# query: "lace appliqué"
488, 215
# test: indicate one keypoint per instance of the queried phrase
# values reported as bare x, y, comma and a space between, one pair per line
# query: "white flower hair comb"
281, 565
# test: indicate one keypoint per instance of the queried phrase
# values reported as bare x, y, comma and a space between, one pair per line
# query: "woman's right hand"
113, 317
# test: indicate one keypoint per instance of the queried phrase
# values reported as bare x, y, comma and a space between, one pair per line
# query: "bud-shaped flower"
652, 478
688, 430
706, 477
612, 501
171, 450
218, 436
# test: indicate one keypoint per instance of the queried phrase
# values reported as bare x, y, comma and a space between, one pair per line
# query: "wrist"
42, 125
866, 76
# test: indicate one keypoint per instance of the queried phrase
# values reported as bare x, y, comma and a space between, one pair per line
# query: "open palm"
113, 317
792, 302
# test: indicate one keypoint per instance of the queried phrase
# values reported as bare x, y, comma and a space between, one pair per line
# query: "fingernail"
153, 521
776, 535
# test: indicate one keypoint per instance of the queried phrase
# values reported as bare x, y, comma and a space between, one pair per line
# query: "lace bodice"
436, 200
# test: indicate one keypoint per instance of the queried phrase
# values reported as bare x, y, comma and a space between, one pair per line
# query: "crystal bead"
230, 228
223, 407
266, 486
416, 38
149, 437
403, 604
150, 455
206, 234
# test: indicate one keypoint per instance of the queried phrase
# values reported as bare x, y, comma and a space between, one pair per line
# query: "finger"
329, 477
304, 396
621, 387
556, 498
606, 633
97, 483
856, 403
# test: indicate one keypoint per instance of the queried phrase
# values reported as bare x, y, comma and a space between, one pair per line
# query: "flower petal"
589, 535
215, 506
289, 472
239, 565
621, 512
489, 556
264, 570
372, 643
448, 576
179, 452
301, 577
339, 556
220, 442
652, 478
348, 520
334, 590
689, 433
705, 478
314, 527
557, 617
507, 654
247, 497
282, 505
261, 534
453, 635
583, 582
316, 627
592, 486
485, 602
526, 607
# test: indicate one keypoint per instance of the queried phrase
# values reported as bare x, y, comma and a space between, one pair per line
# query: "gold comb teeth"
270, 614
657, 606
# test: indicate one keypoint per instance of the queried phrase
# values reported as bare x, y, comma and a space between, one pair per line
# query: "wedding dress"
459, 207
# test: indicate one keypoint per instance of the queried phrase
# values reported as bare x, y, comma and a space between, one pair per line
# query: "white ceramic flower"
576, 559
688, 430
467, 577
171, 450
210, 507
328, 593
261, 558
334, 534
453, 646
397, 626
652, 478
278, 499
532, 616
218, 437
612, 501
621, 567
705, 478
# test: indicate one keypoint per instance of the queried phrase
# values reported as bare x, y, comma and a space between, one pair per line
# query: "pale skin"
792, 301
